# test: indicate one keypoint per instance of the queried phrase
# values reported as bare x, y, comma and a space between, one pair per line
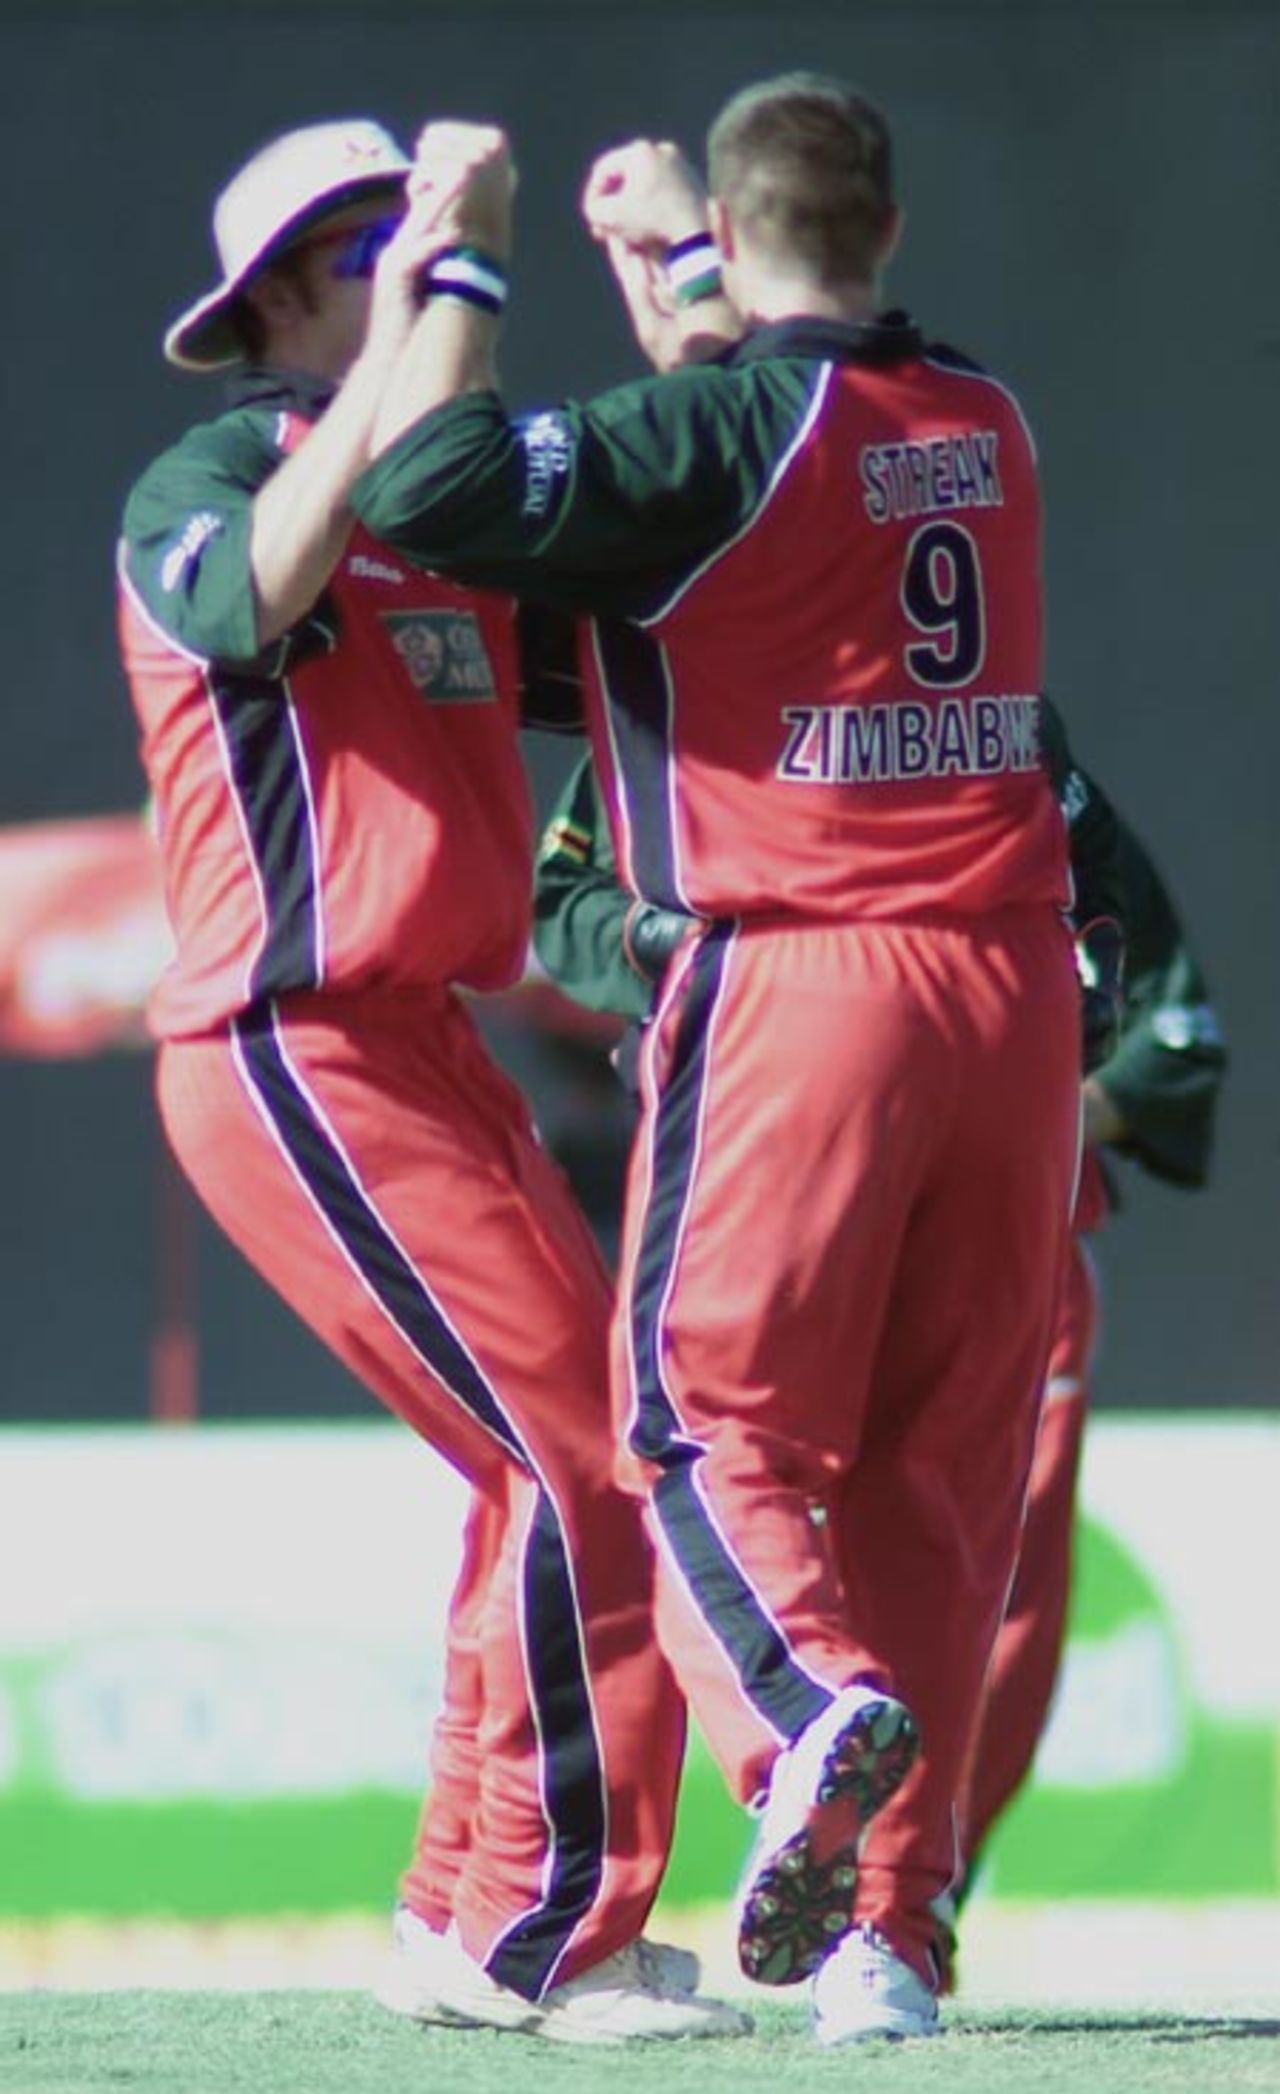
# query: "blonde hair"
805, 166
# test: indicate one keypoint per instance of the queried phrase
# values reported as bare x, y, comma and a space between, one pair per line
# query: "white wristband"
469, 274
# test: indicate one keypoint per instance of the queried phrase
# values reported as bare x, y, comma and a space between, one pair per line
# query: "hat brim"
203, 338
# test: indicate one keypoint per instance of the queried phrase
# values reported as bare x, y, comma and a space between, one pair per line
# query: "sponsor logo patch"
548, 450
374, 570
444, 655
196, 535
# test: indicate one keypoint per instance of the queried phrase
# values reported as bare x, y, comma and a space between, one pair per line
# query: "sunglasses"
358, 246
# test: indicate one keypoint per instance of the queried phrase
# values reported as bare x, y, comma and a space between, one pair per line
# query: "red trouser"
1029, 1646
848, 1204
372, 1163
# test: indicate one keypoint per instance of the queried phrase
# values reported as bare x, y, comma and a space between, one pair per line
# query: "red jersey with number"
835, 714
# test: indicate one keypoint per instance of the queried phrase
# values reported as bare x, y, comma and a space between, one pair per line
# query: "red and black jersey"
817, 649
346, 810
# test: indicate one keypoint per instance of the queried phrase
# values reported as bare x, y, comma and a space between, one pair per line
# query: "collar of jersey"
262, 385
886, 340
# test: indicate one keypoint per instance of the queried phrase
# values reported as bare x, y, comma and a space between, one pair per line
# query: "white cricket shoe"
796, 1898
667, 1968
865, 1990
430, 1977
618, 2002
643, 1992
421, 1961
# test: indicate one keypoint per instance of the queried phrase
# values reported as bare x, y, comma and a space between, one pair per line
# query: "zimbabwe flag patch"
563, 838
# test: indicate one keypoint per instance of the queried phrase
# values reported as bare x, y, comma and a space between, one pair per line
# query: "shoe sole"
796, 1909
713, 2028
428, 2007
526, 2019
512, 2021
907, 2029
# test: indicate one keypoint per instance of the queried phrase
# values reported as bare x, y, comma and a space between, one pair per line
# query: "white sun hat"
286, 187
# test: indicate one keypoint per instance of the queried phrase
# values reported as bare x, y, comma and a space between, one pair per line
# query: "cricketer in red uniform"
330, 738
813, 569
609, 951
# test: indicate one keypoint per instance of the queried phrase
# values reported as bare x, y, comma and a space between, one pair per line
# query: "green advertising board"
229, 1716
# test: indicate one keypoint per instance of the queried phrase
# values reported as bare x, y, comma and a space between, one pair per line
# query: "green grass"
340, 2043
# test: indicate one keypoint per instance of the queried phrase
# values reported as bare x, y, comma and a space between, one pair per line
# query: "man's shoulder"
650, 388
952, 359
721, 389
950, 362
239, 446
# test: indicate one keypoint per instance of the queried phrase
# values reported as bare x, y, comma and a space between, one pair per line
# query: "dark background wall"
1091, 193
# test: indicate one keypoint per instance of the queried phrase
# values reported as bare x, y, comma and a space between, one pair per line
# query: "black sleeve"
605, 506
1093, 828
550, 680
1166, 1073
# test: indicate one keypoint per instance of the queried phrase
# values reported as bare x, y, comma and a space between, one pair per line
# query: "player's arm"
1153, 1045
608, 505
1093, 826
602, 508
228, 542
451, 351
1158, 1091
1098, 903
302, 517
230, 546
599, 944
648, 209
184, 551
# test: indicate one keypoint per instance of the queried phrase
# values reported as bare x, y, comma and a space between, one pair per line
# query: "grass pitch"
341, 2043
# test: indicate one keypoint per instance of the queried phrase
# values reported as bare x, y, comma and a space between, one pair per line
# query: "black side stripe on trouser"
571, 1773
573, 1790
634, 678
270, 785
772, 1681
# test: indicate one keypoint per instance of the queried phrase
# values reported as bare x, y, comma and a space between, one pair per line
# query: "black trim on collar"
889, 339
265, 385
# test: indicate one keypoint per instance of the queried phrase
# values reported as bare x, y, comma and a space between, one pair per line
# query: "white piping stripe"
146, 614
1079, 1160
779, 472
